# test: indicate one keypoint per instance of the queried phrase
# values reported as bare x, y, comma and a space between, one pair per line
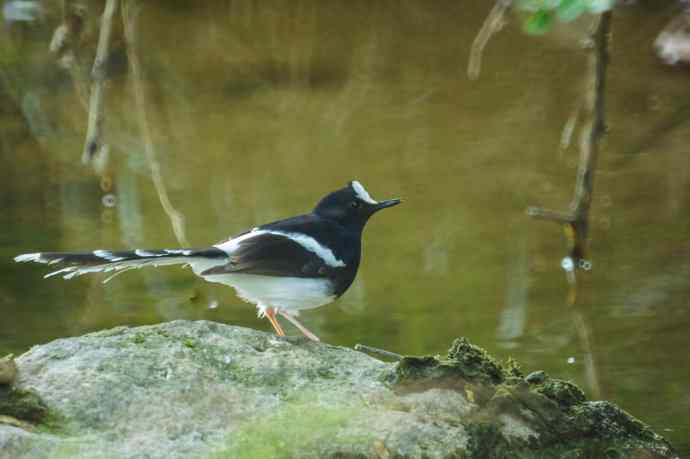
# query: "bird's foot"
271, 315
301, 327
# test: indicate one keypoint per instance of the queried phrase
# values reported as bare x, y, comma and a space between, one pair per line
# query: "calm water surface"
257, 109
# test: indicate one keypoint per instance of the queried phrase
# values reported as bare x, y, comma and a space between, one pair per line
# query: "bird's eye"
355, 204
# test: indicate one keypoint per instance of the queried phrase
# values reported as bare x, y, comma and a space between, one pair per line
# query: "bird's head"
351, 206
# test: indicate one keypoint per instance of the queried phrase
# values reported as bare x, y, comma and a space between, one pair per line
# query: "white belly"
287, 293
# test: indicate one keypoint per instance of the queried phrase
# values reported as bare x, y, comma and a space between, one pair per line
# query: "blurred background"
254, 110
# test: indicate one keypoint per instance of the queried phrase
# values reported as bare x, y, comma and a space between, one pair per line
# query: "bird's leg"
271, 315
301, 327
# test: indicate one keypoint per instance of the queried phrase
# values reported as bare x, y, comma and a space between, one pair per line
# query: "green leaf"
538, 23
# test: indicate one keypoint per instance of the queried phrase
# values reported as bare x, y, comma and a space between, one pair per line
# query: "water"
258, 109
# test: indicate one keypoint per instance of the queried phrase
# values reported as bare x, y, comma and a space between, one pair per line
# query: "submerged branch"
493, 23
129, 14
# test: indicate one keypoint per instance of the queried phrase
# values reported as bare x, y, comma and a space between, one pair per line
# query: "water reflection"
255, 109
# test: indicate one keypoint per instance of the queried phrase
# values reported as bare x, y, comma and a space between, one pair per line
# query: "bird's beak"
384, 204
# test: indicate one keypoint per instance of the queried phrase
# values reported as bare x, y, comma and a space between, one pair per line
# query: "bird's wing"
273, 253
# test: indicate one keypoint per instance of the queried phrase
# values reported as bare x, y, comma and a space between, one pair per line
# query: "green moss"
565, 393
190, 343
475, 361
139, 338
300, 428
22, 404
464, 360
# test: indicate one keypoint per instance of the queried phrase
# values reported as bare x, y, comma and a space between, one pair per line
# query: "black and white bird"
282, 267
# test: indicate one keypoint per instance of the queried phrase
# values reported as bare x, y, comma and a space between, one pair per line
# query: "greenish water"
257, 109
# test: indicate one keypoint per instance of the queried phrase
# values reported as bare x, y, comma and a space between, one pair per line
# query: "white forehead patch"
361, 193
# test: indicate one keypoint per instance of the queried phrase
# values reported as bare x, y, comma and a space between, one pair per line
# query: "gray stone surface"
206, 390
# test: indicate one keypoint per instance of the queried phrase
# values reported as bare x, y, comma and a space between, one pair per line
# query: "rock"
536, 377
8, 370
205, 390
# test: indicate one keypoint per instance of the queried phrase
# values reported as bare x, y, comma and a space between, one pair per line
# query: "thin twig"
176, 217
377, 351
550, 215
493, 23
94, 132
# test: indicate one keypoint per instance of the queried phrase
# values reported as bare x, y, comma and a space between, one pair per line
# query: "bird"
282, 267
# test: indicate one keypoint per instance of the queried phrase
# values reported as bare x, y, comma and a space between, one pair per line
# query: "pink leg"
301, 327
271, 315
